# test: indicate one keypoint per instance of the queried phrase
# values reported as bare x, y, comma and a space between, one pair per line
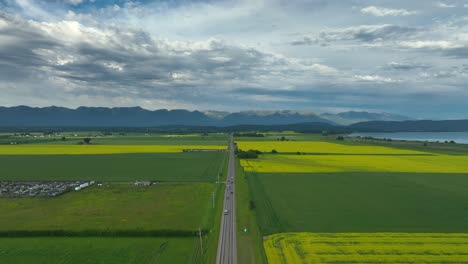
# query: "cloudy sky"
399, 56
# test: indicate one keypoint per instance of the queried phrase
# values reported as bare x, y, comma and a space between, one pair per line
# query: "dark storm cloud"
18, 58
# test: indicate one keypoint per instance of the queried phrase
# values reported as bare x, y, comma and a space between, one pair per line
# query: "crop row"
367, 248
98, 149
358, 163
320, 147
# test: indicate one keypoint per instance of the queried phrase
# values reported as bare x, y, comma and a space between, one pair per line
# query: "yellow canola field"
366, 248
96, 149
319, 147
358, 163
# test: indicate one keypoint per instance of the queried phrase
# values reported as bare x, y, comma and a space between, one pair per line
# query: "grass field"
141, 139
178, 167
290, 135
358, 163
360, 202
115, 207
80, 250
319, 147
367, 248
72, 138
97, 149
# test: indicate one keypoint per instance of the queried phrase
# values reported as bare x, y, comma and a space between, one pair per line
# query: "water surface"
459, 137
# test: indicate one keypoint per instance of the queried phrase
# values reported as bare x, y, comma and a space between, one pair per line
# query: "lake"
458, 137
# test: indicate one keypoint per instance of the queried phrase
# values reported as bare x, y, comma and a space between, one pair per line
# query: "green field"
288, 135
97, 138
360, 202
178, 167
100, 149
183, 207
81, 250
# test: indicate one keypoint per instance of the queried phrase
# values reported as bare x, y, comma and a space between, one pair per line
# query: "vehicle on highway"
226, 212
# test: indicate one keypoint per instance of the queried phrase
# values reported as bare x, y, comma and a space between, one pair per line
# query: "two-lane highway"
227, 244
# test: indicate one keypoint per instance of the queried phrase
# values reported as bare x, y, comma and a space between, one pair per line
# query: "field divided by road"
313, 187
367, 248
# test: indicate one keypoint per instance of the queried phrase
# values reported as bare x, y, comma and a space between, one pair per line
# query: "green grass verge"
180, 207
46, 250
360, 202
249, 241
174, 167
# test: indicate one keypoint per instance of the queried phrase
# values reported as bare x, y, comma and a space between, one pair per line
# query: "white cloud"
375, 78
382, 11
444, 5
323, 69
429, 44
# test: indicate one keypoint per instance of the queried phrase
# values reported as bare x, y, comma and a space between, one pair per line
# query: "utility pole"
201, 241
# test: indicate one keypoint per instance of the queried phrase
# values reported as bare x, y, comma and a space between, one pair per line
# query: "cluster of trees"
250, 154
248, 134
86, 140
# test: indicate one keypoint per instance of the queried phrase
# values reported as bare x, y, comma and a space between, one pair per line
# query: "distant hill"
273, 118
25, 116
351, 117
412, 126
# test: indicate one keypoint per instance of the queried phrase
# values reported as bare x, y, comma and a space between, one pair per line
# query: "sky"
397, 56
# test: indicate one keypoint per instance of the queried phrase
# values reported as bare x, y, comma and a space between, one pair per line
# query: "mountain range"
25, 116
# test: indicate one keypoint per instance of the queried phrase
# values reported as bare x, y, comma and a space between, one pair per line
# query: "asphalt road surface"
227, 244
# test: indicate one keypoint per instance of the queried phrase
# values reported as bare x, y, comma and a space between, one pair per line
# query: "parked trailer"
84, 185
